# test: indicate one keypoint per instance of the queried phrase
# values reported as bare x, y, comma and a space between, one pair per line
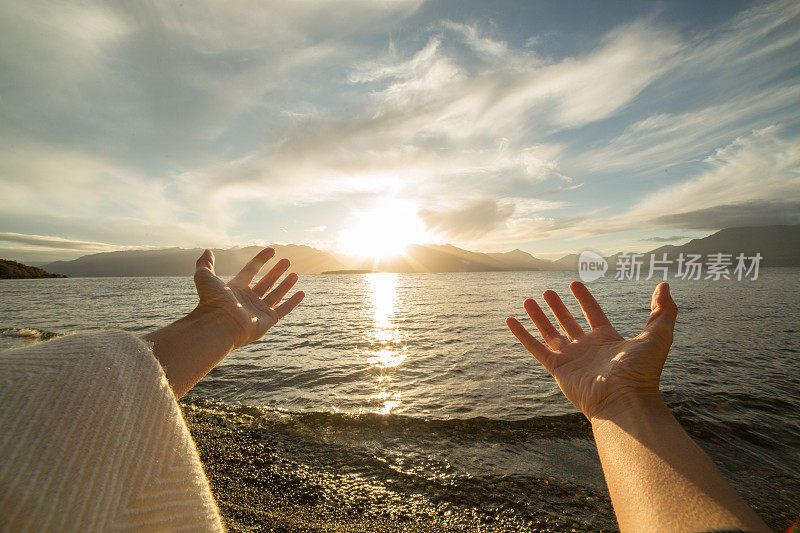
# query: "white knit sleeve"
92, 439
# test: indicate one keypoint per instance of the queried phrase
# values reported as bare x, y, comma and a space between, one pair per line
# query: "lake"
415, 377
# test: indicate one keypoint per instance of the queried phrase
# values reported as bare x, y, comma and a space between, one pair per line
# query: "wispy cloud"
673, 238
666, 139
208, 123
435, 122
475, 219
752, 181
55, 242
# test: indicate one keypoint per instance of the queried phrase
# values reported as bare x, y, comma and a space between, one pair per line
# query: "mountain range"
778, 246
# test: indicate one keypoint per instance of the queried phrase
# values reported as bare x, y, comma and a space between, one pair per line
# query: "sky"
551, 127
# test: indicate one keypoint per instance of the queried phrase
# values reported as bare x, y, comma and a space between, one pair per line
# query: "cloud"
732, 79
486, 221
664, 239
165, 77
106, 107
54, 242
761, 166
46, 248
492, 49
188, 124
54, 179
473, 220
441, 119
528, 228
755, 213
119, 231
461, 100
747, 182
596, 86
438, 119
667, 139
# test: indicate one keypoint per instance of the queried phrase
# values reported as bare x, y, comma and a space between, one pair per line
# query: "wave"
751, 421
400, 466
567, 426
28, 333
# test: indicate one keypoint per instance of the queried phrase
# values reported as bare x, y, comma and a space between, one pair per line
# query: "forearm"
658, 478
190, 347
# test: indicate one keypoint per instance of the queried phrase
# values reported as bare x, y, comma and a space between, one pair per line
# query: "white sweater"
91, 439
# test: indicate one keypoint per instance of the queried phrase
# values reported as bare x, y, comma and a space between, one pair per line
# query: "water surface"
418, 373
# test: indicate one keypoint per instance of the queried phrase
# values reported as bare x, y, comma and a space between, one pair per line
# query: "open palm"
250, 311
598, 368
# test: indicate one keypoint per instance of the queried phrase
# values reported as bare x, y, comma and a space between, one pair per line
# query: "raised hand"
228, 316
659, 480
251, 311
598, 369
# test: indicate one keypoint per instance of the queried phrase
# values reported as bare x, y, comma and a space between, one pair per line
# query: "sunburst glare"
384, 230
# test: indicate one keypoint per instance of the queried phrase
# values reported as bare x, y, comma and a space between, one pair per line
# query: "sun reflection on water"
390, 352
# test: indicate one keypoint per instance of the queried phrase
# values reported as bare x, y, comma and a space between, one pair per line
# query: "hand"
600, 369
249, 311
228, 316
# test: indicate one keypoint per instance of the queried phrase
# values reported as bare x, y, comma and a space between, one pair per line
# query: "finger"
288, 306
204, 270
280, 291
536, 348
546, 329
591, 309
664, 312
206, 261
269, 279
246, 274
562, 314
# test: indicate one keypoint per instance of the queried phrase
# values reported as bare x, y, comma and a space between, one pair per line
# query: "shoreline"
292, 474
259, 485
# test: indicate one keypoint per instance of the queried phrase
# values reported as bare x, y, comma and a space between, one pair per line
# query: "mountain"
14, 270
180, 261
305, 260
519, 260
437, 258
778, 246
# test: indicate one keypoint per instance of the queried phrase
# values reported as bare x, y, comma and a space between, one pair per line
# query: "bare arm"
228, 315
658, 478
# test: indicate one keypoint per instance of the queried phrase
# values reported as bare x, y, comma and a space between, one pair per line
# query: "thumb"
206, 261
663, 313
204, 268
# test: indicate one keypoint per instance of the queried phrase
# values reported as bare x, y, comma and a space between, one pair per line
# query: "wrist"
190, 347
626, 403
214, 326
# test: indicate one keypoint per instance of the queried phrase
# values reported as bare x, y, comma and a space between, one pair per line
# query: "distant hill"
305, 260
778, 245
14, 270
349, 272
441, 258
519, 260
181, 261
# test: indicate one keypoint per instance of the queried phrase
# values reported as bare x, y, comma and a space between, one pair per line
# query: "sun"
384, 230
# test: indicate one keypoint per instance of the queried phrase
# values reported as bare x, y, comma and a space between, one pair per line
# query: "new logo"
591, 266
